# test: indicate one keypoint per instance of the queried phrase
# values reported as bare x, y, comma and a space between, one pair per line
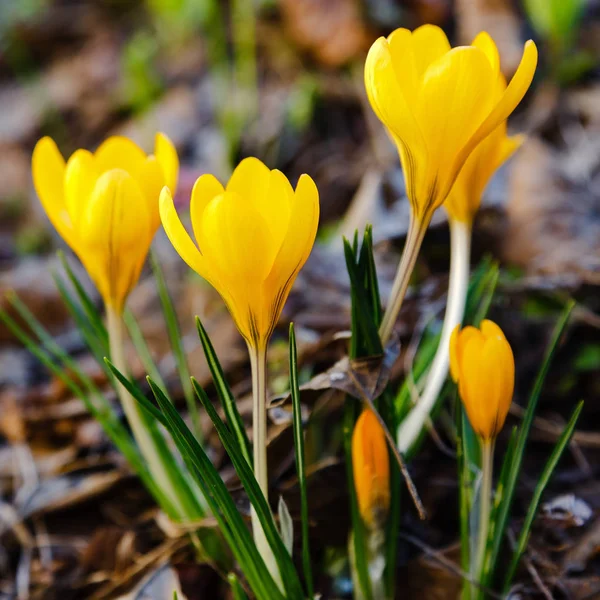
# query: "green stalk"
135, 417
485, 495
258, 363
414, 239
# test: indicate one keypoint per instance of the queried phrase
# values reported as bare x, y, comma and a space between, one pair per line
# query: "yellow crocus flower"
482, 363
252, 238
371, 469
105, 205
438, 103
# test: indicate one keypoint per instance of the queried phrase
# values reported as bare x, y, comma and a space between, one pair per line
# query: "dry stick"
391, 443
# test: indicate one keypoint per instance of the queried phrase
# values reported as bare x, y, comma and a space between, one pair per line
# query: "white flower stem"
460, 254
414, 238
134, 415
485, 495
258, 363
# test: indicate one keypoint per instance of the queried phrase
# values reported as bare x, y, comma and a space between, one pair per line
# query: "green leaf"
503, 512
234, 420
221, 504
92, 313
236, 587
537, 495
286, 525
300, 461
137, 337
556, 20
261, 507
176, 344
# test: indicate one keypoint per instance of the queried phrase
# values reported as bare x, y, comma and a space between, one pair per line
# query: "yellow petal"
205, 189
250, 180
80, 179
371, 469
48, 170
119, 152
388, 97
236, 239
486, 44
454, 369
453, 100
177, 234
429, 43
116, 235
276, 205
151, 180
166, 154
506, 105
489, 329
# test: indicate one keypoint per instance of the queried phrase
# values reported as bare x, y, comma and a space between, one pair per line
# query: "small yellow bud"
105, 205
371, 469
482, 363
438, 103
252, 238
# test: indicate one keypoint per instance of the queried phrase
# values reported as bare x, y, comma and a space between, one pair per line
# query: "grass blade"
234, 419
176, 344
92, 313
221, 504
300, 458
287, 569
503, 511
139, 343
537, 495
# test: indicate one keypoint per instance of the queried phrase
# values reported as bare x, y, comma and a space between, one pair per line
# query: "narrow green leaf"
137, 337
537, 495
236, 587
176, 343
286, 526
92, 313
503, 512
287, 569
220, 502
234, 419
300, 461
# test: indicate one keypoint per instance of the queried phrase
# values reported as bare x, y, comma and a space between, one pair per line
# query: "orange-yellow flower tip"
438, 103
371, 469
482, 363
252, 237
105, 205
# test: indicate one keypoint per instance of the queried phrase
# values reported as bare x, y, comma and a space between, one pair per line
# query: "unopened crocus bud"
371, 469
482, 363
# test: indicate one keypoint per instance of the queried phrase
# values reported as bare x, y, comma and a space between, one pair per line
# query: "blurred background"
282, 80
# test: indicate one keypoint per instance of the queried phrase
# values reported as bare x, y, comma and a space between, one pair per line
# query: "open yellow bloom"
439, 103
252, 239
371, 469
482, 363
105, 205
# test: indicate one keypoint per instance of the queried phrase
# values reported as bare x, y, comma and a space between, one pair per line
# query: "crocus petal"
177, 234
250, 180
429, 43
489, 329
48, 170
513, 94
453, 100
205, 189
116, 235
119, 152
79, 181
486, 44
166, 154
151, 180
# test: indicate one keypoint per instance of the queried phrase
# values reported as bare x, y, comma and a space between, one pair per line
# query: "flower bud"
371, 469
482, 363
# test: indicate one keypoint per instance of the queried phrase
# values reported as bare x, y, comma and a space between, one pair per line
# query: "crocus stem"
485, 496
258, 363
414, 238
460, 254
135, 417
